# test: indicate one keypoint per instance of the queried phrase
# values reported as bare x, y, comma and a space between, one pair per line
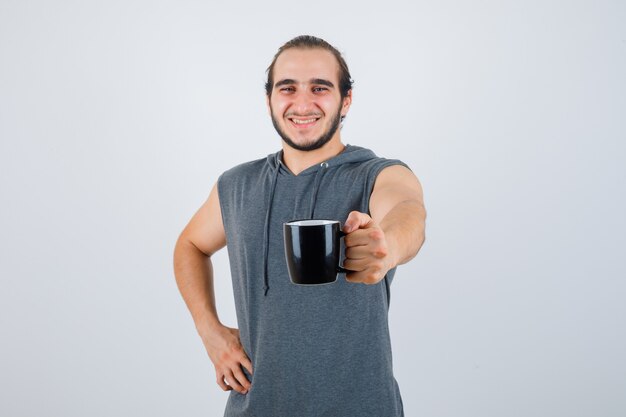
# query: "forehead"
305, 64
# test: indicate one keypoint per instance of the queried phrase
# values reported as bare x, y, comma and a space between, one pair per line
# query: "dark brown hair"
311, 42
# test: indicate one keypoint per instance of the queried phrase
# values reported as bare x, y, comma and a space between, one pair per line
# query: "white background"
117, 117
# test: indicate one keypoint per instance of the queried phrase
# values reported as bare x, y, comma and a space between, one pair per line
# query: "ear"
347, 101
267, 103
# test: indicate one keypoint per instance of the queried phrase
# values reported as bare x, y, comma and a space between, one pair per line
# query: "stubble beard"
316, 144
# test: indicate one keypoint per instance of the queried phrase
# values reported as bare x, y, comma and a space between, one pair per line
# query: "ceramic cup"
312, 251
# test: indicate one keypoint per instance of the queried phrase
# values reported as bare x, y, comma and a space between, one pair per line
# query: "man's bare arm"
397, 205
394, 232
201, 238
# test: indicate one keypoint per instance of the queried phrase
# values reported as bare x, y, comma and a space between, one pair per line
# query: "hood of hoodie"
350, 154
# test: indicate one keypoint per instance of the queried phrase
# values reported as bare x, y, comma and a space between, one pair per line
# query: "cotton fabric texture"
320, 350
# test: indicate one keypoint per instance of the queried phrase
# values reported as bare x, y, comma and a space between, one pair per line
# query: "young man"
304, 350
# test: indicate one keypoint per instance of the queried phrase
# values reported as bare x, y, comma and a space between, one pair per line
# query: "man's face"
305, 103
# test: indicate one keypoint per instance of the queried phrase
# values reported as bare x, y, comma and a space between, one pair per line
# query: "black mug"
312, 251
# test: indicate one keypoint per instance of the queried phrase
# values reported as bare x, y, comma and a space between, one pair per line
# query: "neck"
297, 161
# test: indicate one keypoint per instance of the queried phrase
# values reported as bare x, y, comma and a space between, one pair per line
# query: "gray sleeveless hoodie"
315, 351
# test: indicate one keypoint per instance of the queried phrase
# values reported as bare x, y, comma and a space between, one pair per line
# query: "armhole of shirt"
373, 175
222, 200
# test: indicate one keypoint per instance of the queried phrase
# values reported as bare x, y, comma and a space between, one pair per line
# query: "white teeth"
302, 122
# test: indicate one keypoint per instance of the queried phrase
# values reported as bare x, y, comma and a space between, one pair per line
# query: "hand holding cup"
367, 253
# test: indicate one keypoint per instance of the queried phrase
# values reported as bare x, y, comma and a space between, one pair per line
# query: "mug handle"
340, 268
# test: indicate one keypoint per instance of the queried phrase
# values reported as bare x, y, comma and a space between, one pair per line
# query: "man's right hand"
228, 356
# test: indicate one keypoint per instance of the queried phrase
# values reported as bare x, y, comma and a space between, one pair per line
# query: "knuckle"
225, 356
371, 278
380, 252
376, 234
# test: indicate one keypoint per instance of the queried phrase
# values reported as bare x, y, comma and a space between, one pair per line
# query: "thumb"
356, 220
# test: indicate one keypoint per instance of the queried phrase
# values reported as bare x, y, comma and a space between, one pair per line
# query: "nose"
303, 103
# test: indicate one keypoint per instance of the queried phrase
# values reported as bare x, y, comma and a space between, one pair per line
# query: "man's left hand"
367, 252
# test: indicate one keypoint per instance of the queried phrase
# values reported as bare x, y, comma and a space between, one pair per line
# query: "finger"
360, 277
356, 220
354, 277
241, 377
356, 265
371, 275
370, 236
357, 252
358, 237
222, 384
245, 361
232, 380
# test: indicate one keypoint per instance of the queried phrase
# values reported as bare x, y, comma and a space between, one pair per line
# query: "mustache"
291, 114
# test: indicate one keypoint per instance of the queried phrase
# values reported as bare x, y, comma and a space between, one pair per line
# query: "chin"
310, 142
307, 146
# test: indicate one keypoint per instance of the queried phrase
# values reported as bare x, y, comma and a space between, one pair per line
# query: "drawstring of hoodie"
266, 239
316, 184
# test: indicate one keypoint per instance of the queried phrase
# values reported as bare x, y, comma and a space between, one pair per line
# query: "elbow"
419, 242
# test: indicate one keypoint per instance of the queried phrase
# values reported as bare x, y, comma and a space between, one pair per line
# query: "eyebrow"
320, 81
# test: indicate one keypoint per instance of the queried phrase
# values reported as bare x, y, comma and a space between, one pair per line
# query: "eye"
319, 89
287, 89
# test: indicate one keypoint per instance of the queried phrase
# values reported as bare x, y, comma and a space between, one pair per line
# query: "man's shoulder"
250, 168
373, 165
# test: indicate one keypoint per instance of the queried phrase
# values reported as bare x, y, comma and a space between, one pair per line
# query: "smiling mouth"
303, 123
